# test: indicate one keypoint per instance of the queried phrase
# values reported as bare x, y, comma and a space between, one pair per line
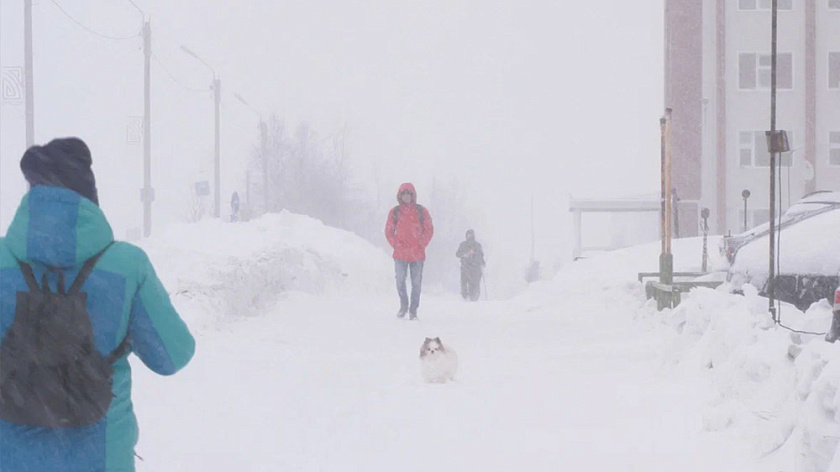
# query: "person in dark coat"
234, 207
409, 230
472, 266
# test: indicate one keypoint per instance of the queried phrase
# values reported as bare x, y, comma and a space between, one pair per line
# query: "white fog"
500, 114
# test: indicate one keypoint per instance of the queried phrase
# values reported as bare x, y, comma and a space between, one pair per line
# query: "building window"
754, 71
834, 148
834, 4
834, 70
766, 5
752, 149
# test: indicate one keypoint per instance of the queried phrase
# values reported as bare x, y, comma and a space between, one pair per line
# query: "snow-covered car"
812, 204
808, 261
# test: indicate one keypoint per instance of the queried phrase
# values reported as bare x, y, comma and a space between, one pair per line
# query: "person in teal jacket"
59, 225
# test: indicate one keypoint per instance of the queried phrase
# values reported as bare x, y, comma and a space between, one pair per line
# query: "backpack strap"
120, 351
396, 216
29, 276
32, 282
45, 282
60, 281
86, 270
420, 215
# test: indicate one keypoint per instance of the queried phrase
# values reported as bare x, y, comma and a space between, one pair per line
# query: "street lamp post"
28, 73
147, 194
704, 225
148, 191
771, 279
217, 99
263, 150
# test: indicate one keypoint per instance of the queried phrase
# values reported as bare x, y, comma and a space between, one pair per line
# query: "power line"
172, 77
138, 8
89, 30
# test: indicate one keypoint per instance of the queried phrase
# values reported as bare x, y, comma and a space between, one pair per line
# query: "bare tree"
311, 175
196, 207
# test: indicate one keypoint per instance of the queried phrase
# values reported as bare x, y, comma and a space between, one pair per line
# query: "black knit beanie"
63, 162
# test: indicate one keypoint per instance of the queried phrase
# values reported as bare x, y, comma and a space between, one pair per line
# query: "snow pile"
775, 388
624, 265
214, 269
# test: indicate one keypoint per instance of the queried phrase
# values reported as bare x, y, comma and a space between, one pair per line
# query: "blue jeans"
402, 268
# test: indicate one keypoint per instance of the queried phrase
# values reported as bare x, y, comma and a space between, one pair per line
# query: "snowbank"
775, 388
215, 269
623, 265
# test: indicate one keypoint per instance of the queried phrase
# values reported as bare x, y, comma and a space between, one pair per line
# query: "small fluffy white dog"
438, 363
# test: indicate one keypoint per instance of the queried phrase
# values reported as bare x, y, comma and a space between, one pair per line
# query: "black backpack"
420, 214
51, 374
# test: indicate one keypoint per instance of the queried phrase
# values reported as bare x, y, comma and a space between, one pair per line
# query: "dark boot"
401, 313
834, 332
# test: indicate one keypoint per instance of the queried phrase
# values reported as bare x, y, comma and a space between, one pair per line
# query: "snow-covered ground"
301, 365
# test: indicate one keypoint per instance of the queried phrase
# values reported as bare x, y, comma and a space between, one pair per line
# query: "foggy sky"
508, 98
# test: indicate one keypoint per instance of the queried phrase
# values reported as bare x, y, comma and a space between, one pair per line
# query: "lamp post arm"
244, 102
199, 59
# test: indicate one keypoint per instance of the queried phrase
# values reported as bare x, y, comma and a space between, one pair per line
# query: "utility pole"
533, 237
248, 190
263, 150
217, 93
148, 195
30, 93
704, 225
666, 259
662, 196
668, 187
771, 282
216, 86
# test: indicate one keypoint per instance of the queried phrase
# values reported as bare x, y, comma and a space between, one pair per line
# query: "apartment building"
717, 81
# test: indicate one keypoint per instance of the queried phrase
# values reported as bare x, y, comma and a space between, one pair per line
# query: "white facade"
828, 95
736, 104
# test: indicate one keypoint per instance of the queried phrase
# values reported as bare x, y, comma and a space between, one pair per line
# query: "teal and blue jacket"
56, 227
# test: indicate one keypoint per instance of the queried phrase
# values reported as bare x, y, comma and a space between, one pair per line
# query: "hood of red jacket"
410, 188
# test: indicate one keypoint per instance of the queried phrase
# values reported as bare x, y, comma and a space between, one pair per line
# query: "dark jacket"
473, 261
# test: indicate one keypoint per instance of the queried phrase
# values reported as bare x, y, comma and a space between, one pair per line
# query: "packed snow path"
333, 384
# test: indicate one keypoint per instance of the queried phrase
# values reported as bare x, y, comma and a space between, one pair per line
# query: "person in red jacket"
409, 229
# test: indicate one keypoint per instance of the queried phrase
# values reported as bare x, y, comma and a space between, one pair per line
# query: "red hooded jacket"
409, 236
